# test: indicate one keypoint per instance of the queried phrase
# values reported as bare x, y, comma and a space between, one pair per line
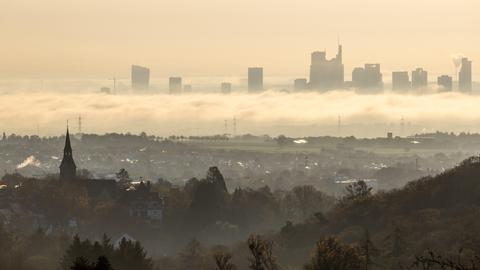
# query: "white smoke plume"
29, 161
457, 59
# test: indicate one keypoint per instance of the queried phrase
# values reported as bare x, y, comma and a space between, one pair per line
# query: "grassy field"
273, 147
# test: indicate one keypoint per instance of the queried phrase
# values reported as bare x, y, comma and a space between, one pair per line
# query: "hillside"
440, 213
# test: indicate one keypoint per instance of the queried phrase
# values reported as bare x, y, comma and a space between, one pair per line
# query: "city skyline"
86, 40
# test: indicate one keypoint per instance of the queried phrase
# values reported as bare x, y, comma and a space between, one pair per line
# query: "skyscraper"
465, 76
419, 78
368, 77
226, 88
68, 169
300, 84
445, 83
175, 85
140, 77
255, 79
326, 74
400, 80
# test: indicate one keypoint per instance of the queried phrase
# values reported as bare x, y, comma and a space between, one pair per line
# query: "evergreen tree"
103, 264
81, 263
131, 255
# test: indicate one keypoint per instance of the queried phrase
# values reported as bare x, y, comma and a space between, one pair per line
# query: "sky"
102, 38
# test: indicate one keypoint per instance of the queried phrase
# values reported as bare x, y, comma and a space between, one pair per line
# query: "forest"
432, 222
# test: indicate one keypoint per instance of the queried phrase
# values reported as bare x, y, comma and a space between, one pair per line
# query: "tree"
308, 199
209, 199
357, 191
368, 250
103, 264
123, 175
192, 257
81, 263
435, 261
261, 251
398, 246
76, 252
282, 140
131, 255
331, 254
223, 261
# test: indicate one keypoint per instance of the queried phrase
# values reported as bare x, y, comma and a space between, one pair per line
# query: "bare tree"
435, 261
223, 261
262, 257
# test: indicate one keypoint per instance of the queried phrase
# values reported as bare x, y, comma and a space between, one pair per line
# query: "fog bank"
271, 112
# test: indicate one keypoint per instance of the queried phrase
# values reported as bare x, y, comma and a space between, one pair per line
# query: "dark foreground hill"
440, 213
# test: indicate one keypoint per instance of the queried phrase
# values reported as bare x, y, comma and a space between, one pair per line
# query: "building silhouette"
368, 77
419, 78
68, 169
139, 200
400, 80
226, 88
140, 78
465, 76
255, 79
300, 84
445, 83
326, 74
175, 85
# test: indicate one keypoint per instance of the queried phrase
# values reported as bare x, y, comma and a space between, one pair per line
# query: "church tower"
68, 169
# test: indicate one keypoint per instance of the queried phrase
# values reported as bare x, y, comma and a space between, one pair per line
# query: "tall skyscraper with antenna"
326, 74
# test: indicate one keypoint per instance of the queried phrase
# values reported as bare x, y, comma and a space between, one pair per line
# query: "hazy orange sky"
99, 38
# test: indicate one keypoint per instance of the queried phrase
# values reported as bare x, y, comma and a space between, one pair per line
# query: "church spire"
68, 169
67, 150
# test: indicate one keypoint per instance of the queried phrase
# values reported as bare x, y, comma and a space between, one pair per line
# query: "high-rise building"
226, 88
368, 77
326, 74
175, 85
400, 80
300, 84
465, 76
68, 169
445, 83
140, 77
255, 79
419, 78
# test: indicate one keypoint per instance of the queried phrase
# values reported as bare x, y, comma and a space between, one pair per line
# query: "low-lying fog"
270, 112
